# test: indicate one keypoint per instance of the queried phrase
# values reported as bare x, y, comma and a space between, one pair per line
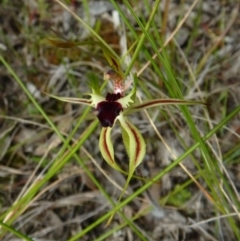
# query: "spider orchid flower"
114, 108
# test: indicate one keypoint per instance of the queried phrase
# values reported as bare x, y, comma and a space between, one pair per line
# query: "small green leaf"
180, 196
134, 90
93, 83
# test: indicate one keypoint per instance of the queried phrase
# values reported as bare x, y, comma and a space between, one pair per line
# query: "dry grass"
202, 45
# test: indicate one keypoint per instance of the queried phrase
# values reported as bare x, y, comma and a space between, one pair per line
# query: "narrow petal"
126, 100
96, 98
158, 102
106, 148
71, 100
133, 141
134, 144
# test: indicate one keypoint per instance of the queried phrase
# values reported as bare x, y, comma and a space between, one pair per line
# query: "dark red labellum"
108, 110
113, 97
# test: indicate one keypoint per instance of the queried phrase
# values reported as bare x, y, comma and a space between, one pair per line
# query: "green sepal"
71, 100
95, 98
159, 102
134, 144
106, 148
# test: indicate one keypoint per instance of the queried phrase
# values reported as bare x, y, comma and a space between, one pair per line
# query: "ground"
51, 189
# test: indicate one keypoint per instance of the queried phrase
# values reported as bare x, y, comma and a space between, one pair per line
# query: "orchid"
113, 109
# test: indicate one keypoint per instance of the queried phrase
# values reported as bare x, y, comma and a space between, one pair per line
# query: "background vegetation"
54, 184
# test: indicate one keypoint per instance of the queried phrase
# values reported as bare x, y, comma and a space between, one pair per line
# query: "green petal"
158, 102
96, 98
106, 147
71, 100
134, 144
128, 99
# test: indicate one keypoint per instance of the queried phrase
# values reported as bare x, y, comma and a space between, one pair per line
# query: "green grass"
198, 147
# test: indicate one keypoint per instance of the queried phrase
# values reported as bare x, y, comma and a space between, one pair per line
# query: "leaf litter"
73, 202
